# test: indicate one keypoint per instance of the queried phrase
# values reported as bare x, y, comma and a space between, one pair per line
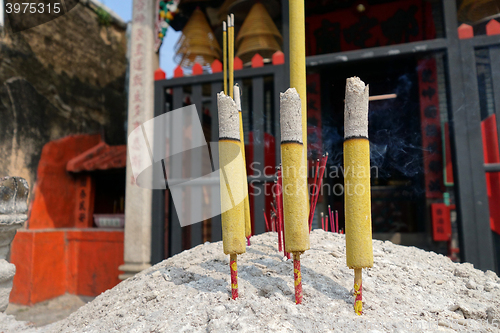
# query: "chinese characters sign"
430, 125
141, 76
85, 193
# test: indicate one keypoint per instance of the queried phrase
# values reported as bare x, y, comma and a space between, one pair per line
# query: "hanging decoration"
258, 34
166, 10
197, 43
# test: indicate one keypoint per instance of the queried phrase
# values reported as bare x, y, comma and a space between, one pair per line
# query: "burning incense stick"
232, 193
224, 55
322, 221
359, 248
295, 194
248, 220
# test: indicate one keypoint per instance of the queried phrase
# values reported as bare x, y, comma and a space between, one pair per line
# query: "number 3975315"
32, 8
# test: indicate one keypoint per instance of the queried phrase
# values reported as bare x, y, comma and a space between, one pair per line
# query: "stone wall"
64, 77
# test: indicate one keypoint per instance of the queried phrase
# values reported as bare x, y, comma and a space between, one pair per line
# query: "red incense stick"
265, 219
331, 219
337, 221
326, 223
314, 195
321, 172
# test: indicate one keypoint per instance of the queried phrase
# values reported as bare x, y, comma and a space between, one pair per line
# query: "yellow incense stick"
232, 193
359, 248
298, 61
248, 220
295, 207
230, 35
224, 55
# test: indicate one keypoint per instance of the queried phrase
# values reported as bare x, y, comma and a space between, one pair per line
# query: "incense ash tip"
356, 109
355, 85
290, 93
291, 116
229, 121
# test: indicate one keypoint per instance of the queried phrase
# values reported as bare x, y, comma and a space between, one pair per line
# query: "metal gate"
475, 90
265, 83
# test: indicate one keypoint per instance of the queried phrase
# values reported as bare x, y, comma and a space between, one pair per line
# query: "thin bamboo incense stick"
298, 63
224, 55
230, 34
359, 248
248, 220
322, 221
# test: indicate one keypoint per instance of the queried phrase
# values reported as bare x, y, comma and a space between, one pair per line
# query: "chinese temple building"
434, 153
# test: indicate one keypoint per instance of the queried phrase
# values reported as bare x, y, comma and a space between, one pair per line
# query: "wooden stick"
224, 55
358, 291
234, 275
297, 276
